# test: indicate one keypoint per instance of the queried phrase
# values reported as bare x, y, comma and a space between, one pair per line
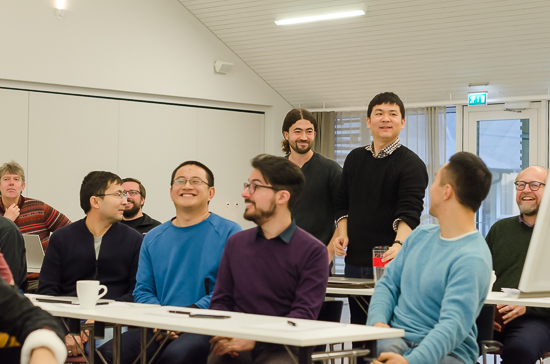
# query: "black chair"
485, 340
330, 311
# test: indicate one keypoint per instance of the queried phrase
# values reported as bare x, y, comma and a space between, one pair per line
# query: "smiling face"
260, 205
529, 201
11, 185
385, 123
300, 136
189, 196
135, 202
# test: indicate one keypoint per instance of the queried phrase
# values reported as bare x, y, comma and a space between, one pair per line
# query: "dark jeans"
525, 339
186, 349
357, 314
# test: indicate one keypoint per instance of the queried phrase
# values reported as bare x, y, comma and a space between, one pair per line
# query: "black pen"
199, 315
291, 323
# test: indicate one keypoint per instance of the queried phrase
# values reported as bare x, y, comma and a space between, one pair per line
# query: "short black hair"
469, 177
282, 174
386, 98
209, 174
95, 184
291, 118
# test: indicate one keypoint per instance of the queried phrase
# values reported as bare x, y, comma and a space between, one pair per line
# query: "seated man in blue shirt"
176, 259
434, 289
276, 269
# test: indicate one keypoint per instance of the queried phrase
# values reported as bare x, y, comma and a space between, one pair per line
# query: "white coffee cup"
88, 293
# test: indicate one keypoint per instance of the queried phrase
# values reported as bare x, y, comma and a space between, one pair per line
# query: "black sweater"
374, 193
70, 257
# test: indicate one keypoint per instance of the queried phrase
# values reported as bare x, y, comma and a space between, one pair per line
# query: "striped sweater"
37, 218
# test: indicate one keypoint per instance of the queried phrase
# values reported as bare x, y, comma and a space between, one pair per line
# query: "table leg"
143, 345
304, 355
116, 344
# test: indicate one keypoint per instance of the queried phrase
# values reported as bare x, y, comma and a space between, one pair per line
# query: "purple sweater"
272, 277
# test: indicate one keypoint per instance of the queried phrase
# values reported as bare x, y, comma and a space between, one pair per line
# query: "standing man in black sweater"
314, 211
381, 195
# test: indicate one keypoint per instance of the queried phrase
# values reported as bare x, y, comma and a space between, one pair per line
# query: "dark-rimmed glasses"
533, 185
121, 195
132, 193
252, 187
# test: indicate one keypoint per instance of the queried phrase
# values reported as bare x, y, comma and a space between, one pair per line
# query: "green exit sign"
477, 98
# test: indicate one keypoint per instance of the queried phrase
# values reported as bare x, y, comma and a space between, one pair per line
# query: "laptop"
344, 282
35, 253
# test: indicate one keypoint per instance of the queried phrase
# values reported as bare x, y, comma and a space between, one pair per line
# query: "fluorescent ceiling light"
327, 14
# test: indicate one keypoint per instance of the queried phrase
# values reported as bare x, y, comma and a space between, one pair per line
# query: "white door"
507, 141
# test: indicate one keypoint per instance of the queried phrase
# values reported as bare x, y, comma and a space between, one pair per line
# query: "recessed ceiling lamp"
325, 14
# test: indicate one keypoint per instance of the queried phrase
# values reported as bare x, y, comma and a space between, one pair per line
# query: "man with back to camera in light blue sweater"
434, 289
178, 262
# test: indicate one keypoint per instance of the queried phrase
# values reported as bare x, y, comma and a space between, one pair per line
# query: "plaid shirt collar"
522, 221
386, 151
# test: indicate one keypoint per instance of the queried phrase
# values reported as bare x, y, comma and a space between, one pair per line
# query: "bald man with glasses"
524, 331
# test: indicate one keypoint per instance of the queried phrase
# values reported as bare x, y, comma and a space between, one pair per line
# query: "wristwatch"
398, 242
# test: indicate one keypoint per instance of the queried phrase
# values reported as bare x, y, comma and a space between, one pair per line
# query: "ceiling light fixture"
60, 8
327, 14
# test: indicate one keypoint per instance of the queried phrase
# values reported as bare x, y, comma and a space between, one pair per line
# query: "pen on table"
291, 323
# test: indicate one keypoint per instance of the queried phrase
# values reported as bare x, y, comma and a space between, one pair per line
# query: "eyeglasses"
193, 181
252, 187
132, 193
533, 185
121, 195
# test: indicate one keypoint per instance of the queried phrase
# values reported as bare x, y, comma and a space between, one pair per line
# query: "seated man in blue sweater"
276, 269
434, 289
178, 264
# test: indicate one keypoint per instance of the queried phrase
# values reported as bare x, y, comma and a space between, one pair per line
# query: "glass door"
506, 141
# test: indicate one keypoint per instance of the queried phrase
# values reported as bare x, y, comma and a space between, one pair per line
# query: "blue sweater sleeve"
145, 291
462, 301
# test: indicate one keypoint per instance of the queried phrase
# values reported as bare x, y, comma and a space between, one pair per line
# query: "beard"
294, 146
529, 210
258, 216
131, 212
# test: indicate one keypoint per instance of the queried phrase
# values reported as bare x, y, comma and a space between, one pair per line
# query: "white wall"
144, 47
130, 49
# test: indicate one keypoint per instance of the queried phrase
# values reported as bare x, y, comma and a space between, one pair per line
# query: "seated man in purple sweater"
275, 269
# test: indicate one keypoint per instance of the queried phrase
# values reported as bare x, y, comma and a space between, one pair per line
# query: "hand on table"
390, 358
231, 346
12, 212
381, 324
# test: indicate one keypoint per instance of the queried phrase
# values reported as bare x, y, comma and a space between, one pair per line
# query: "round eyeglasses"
533, 185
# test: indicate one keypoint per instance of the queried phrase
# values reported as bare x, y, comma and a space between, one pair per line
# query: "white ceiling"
424, 50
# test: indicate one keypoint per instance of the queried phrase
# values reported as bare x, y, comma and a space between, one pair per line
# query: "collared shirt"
522, 220
386, 151
285, 236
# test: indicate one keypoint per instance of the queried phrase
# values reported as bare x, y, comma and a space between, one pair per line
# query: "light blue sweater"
434, 290
174, 261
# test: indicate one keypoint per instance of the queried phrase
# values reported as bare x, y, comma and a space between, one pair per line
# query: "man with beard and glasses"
314, 211
524, 331
178, 264
133, 216
275, 269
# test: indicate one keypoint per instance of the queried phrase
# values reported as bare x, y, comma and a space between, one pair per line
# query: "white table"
269, 329
501, 298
